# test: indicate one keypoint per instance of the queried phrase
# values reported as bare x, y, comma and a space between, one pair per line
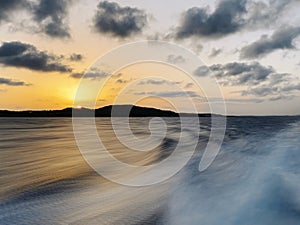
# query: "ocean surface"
255, 178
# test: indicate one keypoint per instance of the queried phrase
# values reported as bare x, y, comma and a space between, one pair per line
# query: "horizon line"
149, 107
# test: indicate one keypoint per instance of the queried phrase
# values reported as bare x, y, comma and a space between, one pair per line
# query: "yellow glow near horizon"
141, 72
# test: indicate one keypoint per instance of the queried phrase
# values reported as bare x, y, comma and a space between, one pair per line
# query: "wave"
254, 180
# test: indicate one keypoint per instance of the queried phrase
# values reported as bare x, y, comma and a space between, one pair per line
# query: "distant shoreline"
119, 111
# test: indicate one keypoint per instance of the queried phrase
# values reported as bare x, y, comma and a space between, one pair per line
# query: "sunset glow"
64, 56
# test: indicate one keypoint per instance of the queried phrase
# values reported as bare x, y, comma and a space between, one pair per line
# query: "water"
254, 180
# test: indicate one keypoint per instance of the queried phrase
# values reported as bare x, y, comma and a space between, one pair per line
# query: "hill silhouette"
118, 111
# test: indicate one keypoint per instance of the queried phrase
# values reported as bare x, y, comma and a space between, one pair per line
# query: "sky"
249, 47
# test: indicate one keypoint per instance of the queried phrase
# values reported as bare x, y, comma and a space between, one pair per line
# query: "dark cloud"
10, 82
226, 19
76, 57
51, 17
176, 59
119, 21
232, 74
93, 74
281, 39
9, 49
215, 52
21, 55
231, 16
77, 75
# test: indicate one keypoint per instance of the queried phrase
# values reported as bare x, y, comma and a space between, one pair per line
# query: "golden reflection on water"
37, 152
40, 151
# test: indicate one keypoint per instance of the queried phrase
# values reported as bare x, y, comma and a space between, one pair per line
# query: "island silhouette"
118, 111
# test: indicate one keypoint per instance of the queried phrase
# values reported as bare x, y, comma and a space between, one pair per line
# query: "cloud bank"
22, 55
259, 80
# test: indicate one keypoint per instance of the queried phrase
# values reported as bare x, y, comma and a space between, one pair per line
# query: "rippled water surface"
255, 179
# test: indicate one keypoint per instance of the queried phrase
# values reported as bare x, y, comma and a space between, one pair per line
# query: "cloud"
51, 17
231, 16
9, 49
7, 6
233, 100
176, 59
121, 81
264, 14
259, 80
215, 52
234, 74
226, 19
93, 74
189, 85
292, 87
119, 21
282, 90
243, 100
170, 94
281, 39
281, 97
10, 82
202, 71
159, 82
76, 57
263, 90
22, 55
117, 75
198, 48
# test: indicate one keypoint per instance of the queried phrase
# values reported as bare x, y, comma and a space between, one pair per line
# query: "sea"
254, 179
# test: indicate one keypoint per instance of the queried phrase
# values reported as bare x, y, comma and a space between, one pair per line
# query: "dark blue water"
255, 178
